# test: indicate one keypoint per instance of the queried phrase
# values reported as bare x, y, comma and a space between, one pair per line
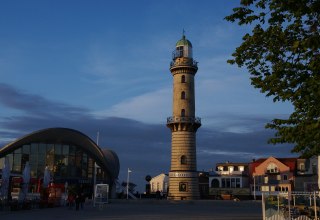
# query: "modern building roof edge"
47, 134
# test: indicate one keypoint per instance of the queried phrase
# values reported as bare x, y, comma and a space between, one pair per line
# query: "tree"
282, 55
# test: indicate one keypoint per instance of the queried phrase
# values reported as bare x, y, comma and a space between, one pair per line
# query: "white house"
229, 179
159, 183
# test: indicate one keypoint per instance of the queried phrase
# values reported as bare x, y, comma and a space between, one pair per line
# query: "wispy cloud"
153, 107
136, 142
34, 104
240, 155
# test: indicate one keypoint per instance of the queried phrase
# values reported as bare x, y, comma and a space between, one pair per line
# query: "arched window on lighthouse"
183, 95
183, 112
183, 79
183, 159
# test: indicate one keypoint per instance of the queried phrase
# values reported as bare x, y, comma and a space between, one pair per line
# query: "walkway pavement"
147, 209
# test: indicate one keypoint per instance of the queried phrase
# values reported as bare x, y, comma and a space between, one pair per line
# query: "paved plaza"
147, 209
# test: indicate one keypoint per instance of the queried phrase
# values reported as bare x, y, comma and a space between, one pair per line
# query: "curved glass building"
69, 154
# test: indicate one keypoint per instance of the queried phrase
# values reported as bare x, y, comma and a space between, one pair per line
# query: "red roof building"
272, 175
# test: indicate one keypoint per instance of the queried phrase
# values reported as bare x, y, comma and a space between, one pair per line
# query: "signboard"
101, 194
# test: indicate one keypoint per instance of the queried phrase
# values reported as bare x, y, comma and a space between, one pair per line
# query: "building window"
183, 112
272, 168
264, 188
183, 187
266, 179
215, 183
228, 183
183, 95
223, 180
183, 79
183, 159
236, 168
285, 177
314, 168
238, 184
233, 183
302, 167
179, 51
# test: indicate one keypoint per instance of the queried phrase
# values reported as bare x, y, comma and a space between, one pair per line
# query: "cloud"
153, 107
142, 147
34, 104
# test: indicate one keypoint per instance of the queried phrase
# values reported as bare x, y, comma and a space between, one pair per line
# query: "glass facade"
63, 160
69, 155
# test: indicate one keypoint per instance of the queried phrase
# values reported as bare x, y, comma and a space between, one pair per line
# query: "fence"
291, 206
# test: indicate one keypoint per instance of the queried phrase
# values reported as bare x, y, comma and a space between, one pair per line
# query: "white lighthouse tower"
183, 176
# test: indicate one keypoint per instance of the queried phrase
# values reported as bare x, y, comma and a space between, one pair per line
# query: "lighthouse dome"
183, 42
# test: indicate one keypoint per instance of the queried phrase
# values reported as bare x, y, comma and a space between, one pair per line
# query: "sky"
103, 66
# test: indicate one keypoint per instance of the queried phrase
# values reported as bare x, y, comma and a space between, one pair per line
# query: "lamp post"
254, 187
129, 171
94, 183
95, 176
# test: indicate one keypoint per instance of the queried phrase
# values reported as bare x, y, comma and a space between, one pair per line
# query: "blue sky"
104, 66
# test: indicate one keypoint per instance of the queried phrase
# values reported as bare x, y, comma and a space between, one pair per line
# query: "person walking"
82, 200
78, 199
70, 200
158, 194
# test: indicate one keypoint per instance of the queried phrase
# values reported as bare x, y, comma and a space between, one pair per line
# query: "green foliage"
282, 55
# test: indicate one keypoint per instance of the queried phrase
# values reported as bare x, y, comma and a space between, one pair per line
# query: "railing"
283, 206
235, 172
189, 62
177, 54
272, 172
175, 119
124, 189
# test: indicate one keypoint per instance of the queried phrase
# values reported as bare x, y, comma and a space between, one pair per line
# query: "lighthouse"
183, 175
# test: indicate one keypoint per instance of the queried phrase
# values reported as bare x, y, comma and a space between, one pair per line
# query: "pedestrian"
158, 194
77, 201
70, 200
82, 200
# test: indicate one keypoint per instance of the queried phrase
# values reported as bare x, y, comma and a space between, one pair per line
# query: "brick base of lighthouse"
183, 177
183, 188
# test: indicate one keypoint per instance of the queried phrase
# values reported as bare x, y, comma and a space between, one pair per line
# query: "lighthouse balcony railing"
175, 119
178, 53
192, 63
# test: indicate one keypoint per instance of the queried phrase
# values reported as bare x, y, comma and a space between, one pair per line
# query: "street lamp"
95, 176
94, 183
254, 187
129, 171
